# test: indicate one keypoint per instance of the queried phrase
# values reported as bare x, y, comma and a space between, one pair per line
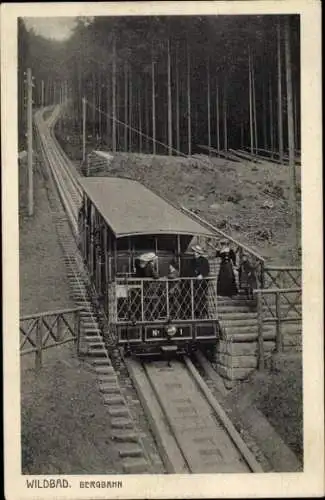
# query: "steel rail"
190, 438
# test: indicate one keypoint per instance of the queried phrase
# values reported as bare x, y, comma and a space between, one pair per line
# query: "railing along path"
47, 330
277, 306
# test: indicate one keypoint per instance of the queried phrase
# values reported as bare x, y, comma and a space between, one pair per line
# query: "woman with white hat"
146, 265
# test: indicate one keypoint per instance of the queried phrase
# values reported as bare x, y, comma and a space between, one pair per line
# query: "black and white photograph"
162, 233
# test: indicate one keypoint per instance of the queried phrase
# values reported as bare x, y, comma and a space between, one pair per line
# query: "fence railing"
48, 329
277, 306
282, 277
146, 300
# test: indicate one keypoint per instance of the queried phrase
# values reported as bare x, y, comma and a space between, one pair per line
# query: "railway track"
192, 431
64, 181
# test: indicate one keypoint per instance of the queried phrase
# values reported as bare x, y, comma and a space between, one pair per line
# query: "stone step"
236, 309
96, 344
97, 353
135, 465
108, 388
113, 399
118, 411
237, 318
124, 436
107, 378
121, 423
127, 450
250, 337
102, 364
232, 328
106, 369
95, 338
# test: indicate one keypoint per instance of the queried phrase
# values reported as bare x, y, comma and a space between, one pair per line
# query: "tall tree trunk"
209, 104
291, 144
280, 120
130, 110
170, 138
264, 116
146, 116
125, 106
295, 113
242, 135
189, 128
250, 101
140, 117
225, 131
108, 114
80, 96
254, 107
118, 102
114, 96
177, 104
94, 106
271, 116
100, 106
196, 121
153, 92
218, 117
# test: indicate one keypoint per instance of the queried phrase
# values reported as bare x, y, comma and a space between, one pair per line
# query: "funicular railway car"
126, 229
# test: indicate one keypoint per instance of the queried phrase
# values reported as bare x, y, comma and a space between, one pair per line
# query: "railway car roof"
129, 208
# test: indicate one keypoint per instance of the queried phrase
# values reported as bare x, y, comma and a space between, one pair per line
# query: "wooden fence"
42, 331
277, 306
282, 277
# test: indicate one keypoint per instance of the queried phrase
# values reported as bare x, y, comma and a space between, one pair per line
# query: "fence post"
261, 361
77, 330
59, 328
38, 353
142, 304
167, 299
279, 342
192, 298
262, 278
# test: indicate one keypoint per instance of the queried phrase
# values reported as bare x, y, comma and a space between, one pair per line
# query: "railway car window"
143, 243
123, 264
166, 242
122, 244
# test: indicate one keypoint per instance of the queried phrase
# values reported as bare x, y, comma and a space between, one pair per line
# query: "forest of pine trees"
182, 81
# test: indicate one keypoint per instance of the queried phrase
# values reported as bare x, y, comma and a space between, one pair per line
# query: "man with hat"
200, 269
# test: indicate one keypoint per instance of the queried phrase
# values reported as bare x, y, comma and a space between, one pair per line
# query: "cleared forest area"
248, 201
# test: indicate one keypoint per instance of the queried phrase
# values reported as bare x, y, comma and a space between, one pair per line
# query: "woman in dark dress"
226, 285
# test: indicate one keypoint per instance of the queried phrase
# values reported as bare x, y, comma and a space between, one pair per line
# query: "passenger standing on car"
200, 269
226, 284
